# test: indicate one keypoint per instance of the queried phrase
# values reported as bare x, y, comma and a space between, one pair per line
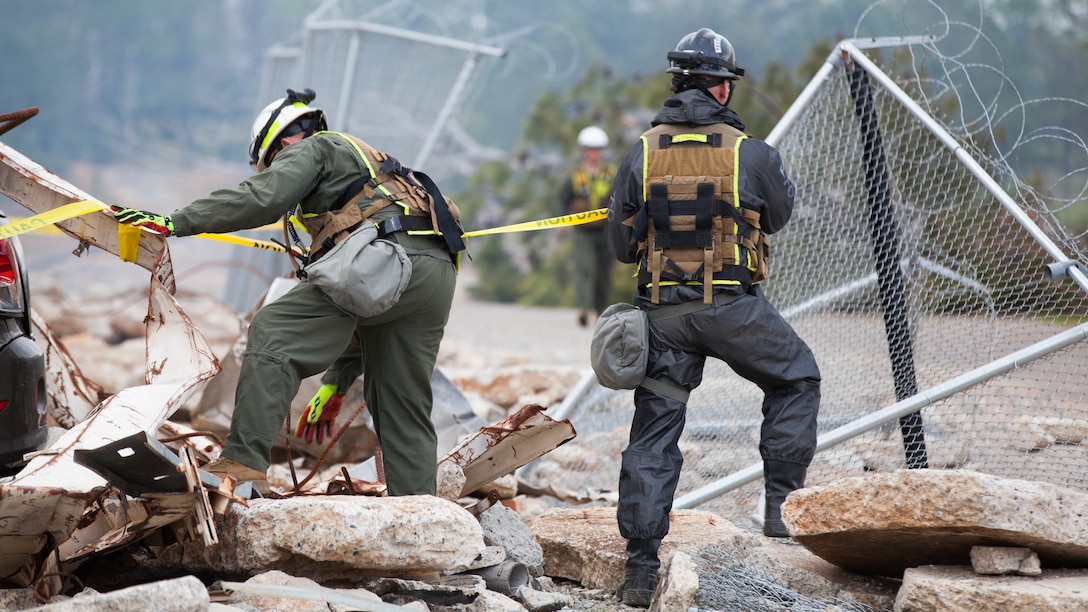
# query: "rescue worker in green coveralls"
587, 189
321, 175
692, 204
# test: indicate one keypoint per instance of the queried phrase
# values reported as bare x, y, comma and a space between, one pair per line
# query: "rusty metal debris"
499, 449
107, 482
10, 120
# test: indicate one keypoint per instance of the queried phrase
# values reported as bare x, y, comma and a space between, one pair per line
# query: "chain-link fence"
376, 77
918, 266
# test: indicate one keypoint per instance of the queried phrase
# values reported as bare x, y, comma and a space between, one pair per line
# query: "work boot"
583, 318
780, 478
239, 472
639, 573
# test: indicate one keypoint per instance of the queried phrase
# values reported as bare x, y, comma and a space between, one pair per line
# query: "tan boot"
239, 472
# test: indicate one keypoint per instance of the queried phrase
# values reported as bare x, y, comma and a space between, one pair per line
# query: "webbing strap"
447, 225
670, 391
403, 223
675, 310
666, 140
659, 208
669, 311
704, 212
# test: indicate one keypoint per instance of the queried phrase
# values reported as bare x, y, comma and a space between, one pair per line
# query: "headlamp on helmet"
704, 53
280, 119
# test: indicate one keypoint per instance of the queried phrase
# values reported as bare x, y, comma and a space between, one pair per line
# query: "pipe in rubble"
506, 577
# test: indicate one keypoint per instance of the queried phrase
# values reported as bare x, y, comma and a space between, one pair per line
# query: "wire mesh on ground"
727, 582
914, 282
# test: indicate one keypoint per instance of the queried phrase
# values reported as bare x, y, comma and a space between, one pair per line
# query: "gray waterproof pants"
302, 333
755, 341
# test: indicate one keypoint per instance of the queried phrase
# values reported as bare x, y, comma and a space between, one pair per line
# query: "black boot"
639, 573
780, 478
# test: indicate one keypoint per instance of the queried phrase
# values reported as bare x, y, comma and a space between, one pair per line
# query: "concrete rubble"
952, 536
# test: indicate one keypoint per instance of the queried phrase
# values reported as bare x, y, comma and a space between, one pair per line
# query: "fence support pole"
885, 243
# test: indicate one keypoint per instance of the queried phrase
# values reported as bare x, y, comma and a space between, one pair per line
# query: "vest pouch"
619, 350
362, 274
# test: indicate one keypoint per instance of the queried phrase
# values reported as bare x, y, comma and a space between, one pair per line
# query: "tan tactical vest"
698, 229
591, 191
384, 187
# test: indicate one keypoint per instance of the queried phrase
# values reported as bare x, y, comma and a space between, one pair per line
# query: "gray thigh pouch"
362, 274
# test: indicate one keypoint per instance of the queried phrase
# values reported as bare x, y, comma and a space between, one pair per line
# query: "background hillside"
177, 82
149, 104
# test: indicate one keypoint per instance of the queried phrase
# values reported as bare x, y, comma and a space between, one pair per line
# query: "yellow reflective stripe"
272, 129
736, 199
696, 283
690, 138
645, 164
366, 162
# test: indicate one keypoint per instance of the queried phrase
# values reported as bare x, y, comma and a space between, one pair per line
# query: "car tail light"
3, 404
11, 296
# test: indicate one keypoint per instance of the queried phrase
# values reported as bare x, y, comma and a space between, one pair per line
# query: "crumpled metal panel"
72, 396
49, 496
499, 449
32, 185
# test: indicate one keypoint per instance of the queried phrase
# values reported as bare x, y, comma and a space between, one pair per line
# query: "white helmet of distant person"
592, 137
280, 119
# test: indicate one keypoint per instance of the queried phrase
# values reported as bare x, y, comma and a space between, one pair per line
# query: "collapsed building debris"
108, 481
110, 484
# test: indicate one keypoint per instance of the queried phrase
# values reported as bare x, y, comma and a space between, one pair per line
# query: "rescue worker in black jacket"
332, 180
692, 205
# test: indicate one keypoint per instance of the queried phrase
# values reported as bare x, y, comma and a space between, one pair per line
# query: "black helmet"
704, 53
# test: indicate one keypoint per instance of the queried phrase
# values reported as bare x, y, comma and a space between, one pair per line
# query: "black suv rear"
22, 363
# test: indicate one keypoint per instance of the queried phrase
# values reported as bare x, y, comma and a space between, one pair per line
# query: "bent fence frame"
848, 61
848, 58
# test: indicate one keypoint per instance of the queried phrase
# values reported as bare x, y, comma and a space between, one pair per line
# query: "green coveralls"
591, 260
303, 333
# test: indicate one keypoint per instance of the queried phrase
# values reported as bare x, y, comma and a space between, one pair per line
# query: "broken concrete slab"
584, 544
934, 517
998, 560
185, 594
505, 528
335, 537
275, 590
677, 592
930, 588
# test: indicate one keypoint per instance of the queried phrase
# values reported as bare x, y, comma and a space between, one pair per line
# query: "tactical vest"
386, 182
590, 191
698, 231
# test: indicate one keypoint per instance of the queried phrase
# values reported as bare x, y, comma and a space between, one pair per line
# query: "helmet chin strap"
685, 84
729, 97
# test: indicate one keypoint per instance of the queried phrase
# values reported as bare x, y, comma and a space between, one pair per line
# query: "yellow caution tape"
565, 220
48, 218
249, 242
128, 235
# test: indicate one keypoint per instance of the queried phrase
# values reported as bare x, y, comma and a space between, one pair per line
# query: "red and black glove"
320, 414
157, 223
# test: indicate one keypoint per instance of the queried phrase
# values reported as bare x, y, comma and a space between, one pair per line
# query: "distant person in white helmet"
585, 189
335, 184
692, 205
